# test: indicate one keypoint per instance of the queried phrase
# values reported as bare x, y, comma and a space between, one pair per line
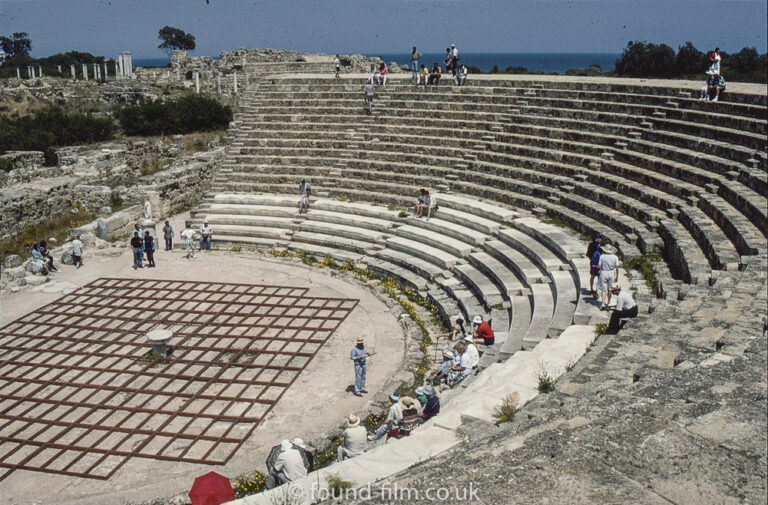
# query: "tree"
174, 38
17, 44
645, 59
690, 61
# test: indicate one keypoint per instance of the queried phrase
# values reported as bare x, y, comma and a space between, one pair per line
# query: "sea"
542, 62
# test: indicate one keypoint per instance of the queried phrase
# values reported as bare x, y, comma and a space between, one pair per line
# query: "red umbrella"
211, 489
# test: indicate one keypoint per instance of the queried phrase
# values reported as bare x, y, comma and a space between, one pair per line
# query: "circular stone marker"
158, 338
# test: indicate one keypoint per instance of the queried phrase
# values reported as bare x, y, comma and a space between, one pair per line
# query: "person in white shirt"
474, 354
431, 204
626, 308
205, 237
305, 191
189, 241
355, 439
461, 75
337, 64
393, 418
289, 466
609, 273
77, 252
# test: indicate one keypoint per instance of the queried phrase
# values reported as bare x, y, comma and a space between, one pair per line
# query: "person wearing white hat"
444, 370
432, 408
354, 439
358, 355
300, 445
393, 420
609, 273
482, 334
289, 466
474, 354
626, 308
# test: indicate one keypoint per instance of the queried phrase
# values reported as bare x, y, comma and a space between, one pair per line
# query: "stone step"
505, 279
343, 231
434, 239
420, 267
483, 287
540, 255
514, 260
427, 253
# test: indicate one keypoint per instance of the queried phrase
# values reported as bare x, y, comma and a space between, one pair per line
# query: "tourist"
38, 259
355, 439
77, 252
421, 398
459, 371
444, 369
372, 74
289, 466
383, 71
421, 203
168, 236
149, 248
305, 191
415, 57
205, 236
47, 256
434, 75
394, 418
474, 354
410, 409
137, 246
482, 332
423, 76
302, 447
358, 355
461, 75
369, 91
714, 60
448, 60
431, 204
454, 58
457, 332
609, 273
337, 64
626, 308
189, 241
432, 407
714, 88
593, 253
137, 228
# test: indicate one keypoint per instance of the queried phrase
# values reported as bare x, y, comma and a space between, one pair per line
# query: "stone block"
35, 267
13, 261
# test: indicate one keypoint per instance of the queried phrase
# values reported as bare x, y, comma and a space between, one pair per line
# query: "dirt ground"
316, 402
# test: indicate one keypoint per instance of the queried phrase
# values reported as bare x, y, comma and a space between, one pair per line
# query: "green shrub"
546, 381
338, 486
187, 114
6, 165
249, 483
505, 413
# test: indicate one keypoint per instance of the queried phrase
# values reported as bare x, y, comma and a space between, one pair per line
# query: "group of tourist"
425, 205
294, 461
604, 266
715, 82
431, 76
142, 243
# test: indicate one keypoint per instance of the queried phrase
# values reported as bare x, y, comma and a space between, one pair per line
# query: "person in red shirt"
483, 332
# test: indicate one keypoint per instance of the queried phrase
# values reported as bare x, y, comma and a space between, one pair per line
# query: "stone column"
18, 73
127, 64
197, 81
85, 71
39, 71
96, 71
72, 71
119, 67
247, 81
234, 81
58, 67
106, 74
218, 83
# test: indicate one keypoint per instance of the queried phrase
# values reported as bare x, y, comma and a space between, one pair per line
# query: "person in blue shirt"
358, 356
432, 408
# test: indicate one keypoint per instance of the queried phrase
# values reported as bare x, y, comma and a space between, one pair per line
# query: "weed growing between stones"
338, 486
326, 457
600, 329
505, 413
645, 265
237, 248
546, 381
249, 483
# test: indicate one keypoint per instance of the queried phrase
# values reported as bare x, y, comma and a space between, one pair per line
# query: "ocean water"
543, 62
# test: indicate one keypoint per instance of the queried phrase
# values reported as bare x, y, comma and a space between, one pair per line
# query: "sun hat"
299, 443
428, 390
359, 340
468, 338
609, 249
447, 354
286, 445
406, 403
353, 421
419, 390
477, 320
394, 397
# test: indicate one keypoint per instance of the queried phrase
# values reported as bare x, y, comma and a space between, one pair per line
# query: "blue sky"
106, 27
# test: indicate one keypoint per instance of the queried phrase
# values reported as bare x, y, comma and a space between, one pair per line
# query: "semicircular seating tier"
518, 166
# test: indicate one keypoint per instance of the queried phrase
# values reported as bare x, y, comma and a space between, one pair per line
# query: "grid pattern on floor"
80, 394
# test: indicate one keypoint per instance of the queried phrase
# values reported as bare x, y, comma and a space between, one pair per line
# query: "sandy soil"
316, 402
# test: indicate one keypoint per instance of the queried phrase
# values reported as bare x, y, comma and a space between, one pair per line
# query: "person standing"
137, 246
358, 356
205, 236
626, 308
189, 241
337, 64
609, 273
168, 236
149, 248
415, 57
593, 253
77, 252
454, 59
305, 191
355, 439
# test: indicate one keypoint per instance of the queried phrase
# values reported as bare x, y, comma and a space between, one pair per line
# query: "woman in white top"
609, 273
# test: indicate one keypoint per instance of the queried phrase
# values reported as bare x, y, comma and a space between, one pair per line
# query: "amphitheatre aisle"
673, 408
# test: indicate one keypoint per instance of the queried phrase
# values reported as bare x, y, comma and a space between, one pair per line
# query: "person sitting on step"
461, 75
421, 203
423, 76
434, 75
432, 407
459, 371
354, 439
394, 417
482, 333
444, 370
431, 204
626, 308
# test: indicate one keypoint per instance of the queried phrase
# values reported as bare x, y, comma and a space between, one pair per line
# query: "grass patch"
645, 265
57, 227
505, 413
600, 329
338, 487
546, 381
